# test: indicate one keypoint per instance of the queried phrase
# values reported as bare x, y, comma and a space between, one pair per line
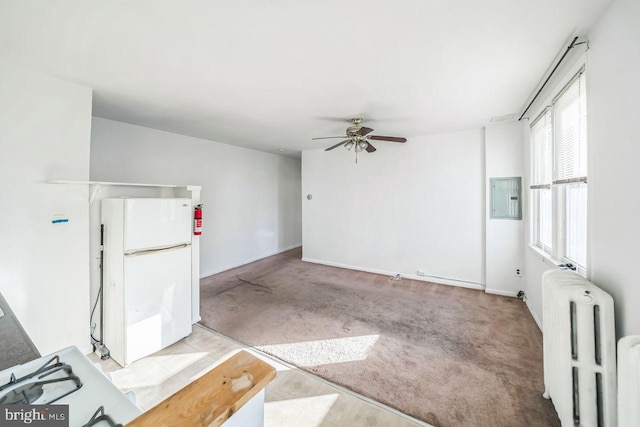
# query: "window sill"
545, 257
551, 261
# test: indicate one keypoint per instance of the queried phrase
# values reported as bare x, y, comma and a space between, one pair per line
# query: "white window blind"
559, 176
541, 134
570, 133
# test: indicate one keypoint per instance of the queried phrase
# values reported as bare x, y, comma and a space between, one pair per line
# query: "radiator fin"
574, 330
599, 402
576, 396
596, 335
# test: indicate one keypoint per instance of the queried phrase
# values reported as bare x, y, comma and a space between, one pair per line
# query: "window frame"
535, 193
557, 253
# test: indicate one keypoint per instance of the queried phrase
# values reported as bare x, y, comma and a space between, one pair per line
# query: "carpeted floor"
446, 355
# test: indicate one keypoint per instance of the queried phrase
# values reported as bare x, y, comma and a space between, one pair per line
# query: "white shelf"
97, 184
128, 184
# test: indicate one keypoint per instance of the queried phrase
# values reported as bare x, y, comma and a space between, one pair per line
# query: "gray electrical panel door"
506, 195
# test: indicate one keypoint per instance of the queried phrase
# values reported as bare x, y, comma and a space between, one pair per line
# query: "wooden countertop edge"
213, 398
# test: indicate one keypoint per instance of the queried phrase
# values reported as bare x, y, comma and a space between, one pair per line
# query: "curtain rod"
571, 46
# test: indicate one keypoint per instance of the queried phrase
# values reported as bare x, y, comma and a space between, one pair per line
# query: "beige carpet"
446, 355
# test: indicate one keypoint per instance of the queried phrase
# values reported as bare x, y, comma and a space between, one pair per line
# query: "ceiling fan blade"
329, 137
364, 131
337, 145
370, 148
387, 138
334, 119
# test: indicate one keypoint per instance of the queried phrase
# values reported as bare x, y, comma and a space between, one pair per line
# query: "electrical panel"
506, 198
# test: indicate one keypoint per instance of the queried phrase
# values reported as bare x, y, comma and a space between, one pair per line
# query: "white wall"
504, 245
405, 207
614, 151
44, 269
251, 199
613, 91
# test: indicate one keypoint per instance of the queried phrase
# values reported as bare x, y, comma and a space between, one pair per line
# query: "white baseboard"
535, 317
432, 279
501, 292
249, 261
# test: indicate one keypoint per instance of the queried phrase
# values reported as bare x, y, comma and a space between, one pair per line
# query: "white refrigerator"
147, 275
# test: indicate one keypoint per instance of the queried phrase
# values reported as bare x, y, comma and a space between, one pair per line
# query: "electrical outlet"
519, 272
421, 273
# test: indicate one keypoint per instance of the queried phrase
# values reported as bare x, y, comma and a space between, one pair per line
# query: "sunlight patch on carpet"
324, 352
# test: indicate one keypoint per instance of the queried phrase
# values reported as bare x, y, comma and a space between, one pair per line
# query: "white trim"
535, 316
432, 279
501, 292
249, 261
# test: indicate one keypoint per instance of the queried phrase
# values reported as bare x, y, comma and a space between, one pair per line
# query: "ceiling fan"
358, 136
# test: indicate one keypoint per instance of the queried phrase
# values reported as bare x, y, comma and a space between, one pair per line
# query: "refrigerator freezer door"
150, 223
157, 301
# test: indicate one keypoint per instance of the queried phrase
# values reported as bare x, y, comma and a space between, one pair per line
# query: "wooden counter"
213, 398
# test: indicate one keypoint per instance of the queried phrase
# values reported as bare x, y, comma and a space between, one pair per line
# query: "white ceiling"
267, 74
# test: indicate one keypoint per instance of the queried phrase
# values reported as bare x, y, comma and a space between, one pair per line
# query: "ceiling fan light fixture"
349, 145
358, 148
363, 145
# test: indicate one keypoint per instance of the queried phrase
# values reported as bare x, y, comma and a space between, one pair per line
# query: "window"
541, 135
559, 176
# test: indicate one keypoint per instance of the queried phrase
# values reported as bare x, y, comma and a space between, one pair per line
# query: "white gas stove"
67, 377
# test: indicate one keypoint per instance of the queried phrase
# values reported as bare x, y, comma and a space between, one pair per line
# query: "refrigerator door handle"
154, 250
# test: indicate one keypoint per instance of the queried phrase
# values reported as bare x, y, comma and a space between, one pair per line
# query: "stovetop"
49, 383
67, 377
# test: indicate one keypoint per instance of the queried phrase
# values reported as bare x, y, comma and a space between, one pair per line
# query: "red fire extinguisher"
197, 221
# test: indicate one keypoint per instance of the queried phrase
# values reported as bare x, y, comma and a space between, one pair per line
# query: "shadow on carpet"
446, 355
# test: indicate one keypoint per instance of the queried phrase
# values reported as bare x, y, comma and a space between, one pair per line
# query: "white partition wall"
505, 269
45, 127
404, 208
251, 199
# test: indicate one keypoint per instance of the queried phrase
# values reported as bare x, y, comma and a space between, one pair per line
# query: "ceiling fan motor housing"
353, 130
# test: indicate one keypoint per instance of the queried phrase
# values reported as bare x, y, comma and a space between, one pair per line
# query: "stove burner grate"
29, 388
100, 416
25, 394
